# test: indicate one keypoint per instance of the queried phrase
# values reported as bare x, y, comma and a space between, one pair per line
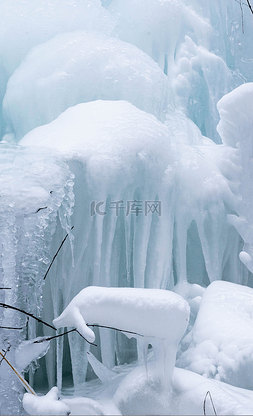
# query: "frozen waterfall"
126, 131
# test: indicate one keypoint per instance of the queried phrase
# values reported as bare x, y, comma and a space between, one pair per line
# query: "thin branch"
250, 6
55, 336
60, 335
116, 329
91, 343
5, 352
63, 241
5, 288
10, 327
240, 2
38, 210
204, 404
4, 305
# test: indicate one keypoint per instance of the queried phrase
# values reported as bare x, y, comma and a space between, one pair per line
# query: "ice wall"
126, 109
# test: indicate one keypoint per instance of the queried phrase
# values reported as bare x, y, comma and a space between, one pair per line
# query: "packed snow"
126, 181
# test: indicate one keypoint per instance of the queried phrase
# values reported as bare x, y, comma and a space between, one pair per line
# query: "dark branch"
5, 288
4, 305
116, 329
91, 343
204, 404
250, 6
55, 336
40, 209
63, 241
4, 353
10, 327
60, 335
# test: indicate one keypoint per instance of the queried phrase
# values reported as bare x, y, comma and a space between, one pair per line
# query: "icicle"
104, 373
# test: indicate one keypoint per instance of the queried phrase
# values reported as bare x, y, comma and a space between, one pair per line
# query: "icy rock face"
220, 343
78, 67
35, 187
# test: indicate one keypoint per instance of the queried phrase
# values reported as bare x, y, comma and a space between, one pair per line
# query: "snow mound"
220, 344
140, 392
79, 67
99, 127
45, 405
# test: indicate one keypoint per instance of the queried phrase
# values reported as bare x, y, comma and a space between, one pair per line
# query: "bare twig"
60, 335
55, 336
4, 305
91, 343
240, 2
251, 9
5, 288
63, 241
5, 352
38, 210
10, 327
116, 329
204, 404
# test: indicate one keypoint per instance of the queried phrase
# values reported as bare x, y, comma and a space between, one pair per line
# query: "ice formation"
108, 124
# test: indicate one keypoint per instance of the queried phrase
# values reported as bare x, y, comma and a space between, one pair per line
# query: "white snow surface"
148, 312
78, 67
220, 344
